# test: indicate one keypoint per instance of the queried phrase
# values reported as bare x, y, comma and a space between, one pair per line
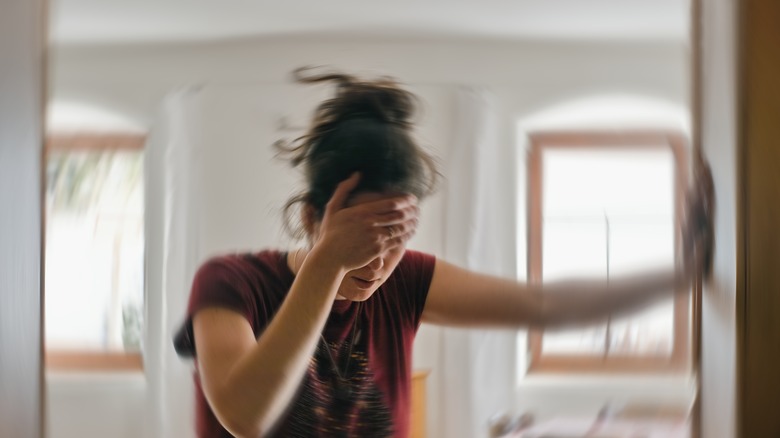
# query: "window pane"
615, 181
633, 245
582, 342
573, 247
637, 243
94, 250
650, 332
609, 213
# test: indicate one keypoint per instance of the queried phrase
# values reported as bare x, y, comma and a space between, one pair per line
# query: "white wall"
528, 75
95, 405
527, 78
22, 56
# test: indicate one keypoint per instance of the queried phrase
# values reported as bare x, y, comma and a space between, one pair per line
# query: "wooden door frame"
757, 37
758, 216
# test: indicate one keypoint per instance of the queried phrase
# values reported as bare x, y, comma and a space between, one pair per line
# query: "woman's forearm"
567, 303
463, 298
262, 384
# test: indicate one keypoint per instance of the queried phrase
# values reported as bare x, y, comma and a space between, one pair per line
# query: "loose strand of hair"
288, 213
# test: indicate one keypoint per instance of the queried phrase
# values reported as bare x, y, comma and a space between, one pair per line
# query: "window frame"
540, 141
89, 360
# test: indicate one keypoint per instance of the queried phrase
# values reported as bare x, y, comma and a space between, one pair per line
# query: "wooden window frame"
637, 140
88, 360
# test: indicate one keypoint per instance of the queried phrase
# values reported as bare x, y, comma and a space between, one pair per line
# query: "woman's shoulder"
242, 262
415, 265
411, 281
415, 258
249, 283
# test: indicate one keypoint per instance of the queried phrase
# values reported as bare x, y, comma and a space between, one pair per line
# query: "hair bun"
366, 127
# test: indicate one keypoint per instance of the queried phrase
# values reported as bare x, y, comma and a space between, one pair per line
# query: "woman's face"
359, 284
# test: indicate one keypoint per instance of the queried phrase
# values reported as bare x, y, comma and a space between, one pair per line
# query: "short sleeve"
416, 272
218, 283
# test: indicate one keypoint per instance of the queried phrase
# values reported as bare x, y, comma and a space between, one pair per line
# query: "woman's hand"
698, 222
353, 236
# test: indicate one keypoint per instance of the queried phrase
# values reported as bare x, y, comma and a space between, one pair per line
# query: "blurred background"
563, 131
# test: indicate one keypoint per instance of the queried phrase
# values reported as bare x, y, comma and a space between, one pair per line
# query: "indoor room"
566, 135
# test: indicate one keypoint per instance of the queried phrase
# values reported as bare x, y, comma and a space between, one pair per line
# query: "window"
94, 268
604, 205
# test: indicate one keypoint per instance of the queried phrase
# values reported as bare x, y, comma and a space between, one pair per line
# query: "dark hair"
366, 127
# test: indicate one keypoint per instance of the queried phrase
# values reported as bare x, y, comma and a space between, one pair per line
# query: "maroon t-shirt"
378, 371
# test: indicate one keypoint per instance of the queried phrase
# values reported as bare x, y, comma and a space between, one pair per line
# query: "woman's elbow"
242, 428
237, 421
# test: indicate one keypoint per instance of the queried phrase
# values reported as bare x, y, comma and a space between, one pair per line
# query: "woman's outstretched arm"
460, 297
464, 298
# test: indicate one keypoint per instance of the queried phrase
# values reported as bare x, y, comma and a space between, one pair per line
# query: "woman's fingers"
707, 228
402, 228
396, 216
361, 232
398, 225
698, 229
341, 194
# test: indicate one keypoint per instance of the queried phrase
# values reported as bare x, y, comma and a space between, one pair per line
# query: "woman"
318, 341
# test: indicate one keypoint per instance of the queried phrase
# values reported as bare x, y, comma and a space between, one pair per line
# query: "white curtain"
172, 254
478, 366
213, 187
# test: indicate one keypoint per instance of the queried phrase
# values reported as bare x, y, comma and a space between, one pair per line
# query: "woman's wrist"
323, 264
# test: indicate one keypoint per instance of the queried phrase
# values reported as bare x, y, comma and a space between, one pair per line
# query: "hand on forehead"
359, 198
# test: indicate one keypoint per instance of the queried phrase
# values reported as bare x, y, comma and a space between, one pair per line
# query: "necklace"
342, 386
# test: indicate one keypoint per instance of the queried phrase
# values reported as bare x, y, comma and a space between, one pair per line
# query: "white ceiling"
135, 21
